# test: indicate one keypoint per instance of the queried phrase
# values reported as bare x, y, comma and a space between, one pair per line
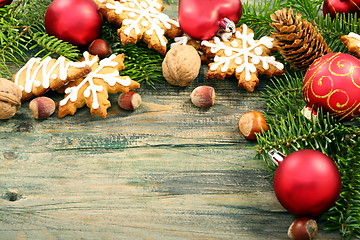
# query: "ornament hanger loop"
276, 156
227, 25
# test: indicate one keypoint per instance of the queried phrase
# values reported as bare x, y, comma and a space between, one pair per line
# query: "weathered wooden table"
168, 170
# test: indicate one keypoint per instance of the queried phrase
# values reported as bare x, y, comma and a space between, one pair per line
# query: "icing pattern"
143, 14
356, 36
92, 89
32, 78
242, 50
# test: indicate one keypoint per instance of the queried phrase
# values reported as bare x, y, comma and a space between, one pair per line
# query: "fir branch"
141, 63
345, 215
308, 8
23, 35
290, 131
332, 30
257, 15
51, 45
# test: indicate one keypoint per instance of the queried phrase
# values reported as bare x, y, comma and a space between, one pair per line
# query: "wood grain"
168, 170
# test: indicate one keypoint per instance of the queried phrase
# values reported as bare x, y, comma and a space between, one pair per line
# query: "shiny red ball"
333, 7
75, 21
332, 82
307, 183
200, 19
5, 2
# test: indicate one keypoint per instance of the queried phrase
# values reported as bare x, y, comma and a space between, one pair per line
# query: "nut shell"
181, 65
42, 107
303, 228
203, 96
251, 123
129, 101
10, 98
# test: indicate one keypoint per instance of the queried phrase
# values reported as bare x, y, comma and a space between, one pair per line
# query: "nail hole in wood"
11, 196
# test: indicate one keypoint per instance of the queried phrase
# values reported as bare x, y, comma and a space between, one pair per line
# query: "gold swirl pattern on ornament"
334, 66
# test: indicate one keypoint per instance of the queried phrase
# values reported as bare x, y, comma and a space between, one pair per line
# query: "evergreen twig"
290, 131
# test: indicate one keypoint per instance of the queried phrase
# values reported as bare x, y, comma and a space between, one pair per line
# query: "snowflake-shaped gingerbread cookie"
352, 41
243, 57
141, 19
94, 88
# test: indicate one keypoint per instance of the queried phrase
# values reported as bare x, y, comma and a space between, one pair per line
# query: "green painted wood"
168, 170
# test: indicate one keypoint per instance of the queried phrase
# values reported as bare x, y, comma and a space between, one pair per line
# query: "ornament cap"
227, 25
276, 156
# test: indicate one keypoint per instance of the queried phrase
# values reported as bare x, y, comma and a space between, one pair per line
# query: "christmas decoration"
94, 88
75, 21
243, 57
298, 40
141, 19
332, 82
202, 19
306, 182
334, 7
282, 96
5, 2
352, 42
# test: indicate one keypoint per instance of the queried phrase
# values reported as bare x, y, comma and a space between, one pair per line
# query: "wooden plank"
168, 170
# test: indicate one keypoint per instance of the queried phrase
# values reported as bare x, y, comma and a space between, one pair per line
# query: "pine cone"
297, 39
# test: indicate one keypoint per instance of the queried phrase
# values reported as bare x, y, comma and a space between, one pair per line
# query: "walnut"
181, 65
10, 98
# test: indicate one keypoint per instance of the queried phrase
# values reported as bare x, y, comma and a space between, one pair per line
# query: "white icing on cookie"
43, 74
356, 36
110, 78
245, 56
143, 13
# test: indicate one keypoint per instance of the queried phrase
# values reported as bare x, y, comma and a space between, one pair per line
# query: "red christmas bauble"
333, 7
332, 82
5, 2
75, 21
201, 19
307, 183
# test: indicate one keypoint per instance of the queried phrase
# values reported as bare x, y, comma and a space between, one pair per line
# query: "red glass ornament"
5, 2
75, 21
306, 182
333, 7
201, 19
332, 82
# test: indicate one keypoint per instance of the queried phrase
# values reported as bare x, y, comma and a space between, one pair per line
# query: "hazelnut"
100, 47
42, 107
303, 228
203, 96
129, 101
10, 98
252, 122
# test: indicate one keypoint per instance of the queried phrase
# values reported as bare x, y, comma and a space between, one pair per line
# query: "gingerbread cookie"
243, 57
38, 76
94, 88
352, 41
141, 19
187, 40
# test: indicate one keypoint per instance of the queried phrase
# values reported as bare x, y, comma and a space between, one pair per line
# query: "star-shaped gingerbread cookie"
38, 76
243, 57
352, 41
141, 19
94, 88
